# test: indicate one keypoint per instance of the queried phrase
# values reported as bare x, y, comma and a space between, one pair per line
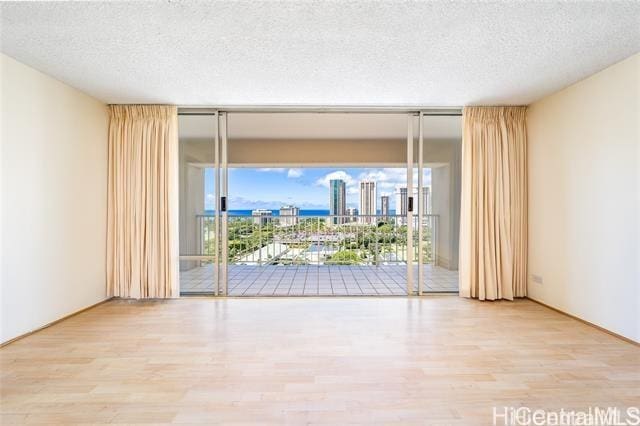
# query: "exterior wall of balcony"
193, 159
445, 198
355, 153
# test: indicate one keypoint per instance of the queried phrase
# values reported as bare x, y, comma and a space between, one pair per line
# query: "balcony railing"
321, 240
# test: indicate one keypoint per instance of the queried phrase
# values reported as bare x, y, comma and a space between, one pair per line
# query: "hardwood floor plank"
441, 360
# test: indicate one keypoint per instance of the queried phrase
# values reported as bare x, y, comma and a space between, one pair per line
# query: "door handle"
223, 204
410, 205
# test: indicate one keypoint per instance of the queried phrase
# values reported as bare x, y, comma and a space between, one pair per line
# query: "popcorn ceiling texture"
320, 53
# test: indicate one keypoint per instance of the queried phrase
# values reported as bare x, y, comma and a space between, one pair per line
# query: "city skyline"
307, 189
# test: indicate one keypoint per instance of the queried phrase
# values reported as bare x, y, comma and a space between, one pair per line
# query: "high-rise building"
426, 200
384, 207
352, 214
289, 215
261, 216
337, 200
401, 204
367, 208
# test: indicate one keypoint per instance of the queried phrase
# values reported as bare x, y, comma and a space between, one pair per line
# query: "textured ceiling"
320, 53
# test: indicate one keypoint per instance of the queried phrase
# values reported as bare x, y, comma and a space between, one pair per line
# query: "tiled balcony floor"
309, 280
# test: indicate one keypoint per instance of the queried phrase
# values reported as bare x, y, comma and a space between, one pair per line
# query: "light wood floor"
442, 360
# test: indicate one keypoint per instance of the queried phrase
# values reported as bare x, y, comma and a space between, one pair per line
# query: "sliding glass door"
199, 200
322, 204
222, 212
433, 179
410, 207
311, 208
419, 218
439, 164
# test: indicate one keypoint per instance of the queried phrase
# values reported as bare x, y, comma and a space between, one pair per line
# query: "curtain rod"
443, 111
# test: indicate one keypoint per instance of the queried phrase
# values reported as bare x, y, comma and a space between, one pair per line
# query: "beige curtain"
493, 214
142, 219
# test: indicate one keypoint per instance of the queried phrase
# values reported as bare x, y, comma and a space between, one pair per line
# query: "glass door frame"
410, 204
200, 256
421, 203
221, 173
222, 214
412, 219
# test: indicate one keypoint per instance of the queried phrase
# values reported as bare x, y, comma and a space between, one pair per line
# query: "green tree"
344, 257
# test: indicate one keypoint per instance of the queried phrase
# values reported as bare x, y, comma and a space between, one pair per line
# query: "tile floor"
307, 280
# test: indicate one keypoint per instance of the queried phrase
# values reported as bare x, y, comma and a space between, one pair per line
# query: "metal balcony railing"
320, 240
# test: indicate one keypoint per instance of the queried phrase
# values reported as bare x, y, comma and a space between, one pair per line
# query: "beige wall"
54, 193
584, 199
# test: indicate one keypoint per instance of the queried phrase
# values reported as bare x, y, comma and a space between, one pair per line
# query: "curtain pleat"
142, 218
493, 217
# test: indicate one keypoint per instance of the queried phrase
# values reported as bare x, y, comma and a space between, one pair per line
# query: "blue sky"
306, 188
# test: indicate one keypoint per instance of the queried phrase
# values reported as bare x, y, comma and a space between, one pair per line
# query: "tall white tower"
368, 205
384, 207
426, 197
401, 204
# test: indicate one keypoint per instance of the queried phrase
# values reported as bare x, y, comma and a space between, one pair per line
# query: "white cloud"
294, 173
388, 180
392, 178
340, 174
291, 173
386, 185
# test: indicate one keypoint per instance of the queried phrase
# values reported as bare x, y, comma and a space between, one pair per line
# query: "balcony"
318, 255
